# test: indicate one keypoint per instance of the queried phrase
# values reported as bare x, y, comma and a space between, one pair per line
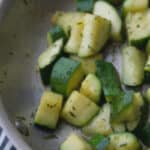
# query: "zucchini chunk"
147, 70
138, 28
66, 75
106, 10
123, 141
131, 104
148, 47
101, 123
79, 110
109, 78
88, 61
49, 109
54, 34
121, 104
147, 95
134, 6
95, 34
47, 58
74, 142
91, 87
74, 41
85, 5
99, 142
133, 66
67, 20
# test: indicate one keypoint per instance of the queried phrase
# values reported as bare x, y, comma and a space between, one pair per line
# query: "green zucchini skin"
109, 78
85, 5
99, 142
121, 104
55, 33
48, 58
66, 75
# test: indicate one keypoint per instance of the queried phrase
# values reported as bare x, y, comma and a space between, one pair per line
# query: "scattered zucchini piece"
66, 75
54, 34
74, 142
49, 109
133, 66
91, 87
95, 34
138, 28
101, 123
109, 78
67, 20
106, 10
88, 61
147, 70
79, 110
47, 59
135, 6
99, 142
85, 5
121, 104
131, 104
123, 141
73, 44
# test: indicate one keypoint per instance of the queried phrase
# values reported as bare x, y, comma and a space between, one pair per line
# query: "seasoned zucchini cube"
91, 87
79, 110
133, 66
66, 75
109, 12
138, 27
74, 41
123, 141
95, 34
101, 123
49, 109
131, 104
109, 78
74, 142
47, 59
135, 6
67, 20
88, 61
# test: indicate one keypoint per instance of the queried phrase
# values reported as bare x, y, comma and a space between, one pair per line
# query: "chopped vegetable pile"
86, 90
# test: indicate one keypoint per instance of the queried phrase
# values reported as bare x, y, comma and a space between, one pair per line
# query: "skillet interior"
22, 38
